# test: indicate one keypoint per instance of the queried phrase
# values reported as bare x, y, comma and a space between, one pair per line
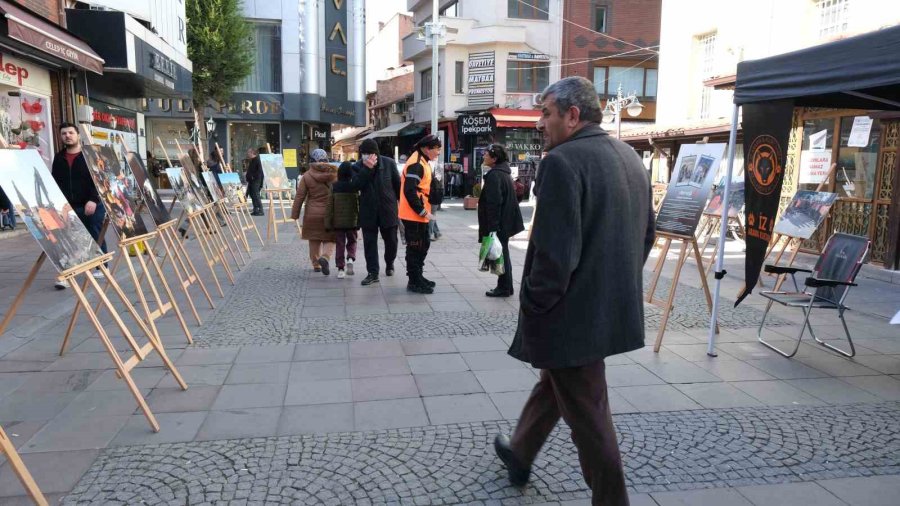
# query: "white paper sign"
817, 140
859, 135
814, 166
896, 319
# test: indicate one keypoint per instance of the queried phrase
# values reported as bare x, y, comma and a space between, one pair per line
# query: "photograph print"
117, 189
803, 215
214, 190
234, 190
273, 172
686, 171
735, 200
151, 198
191, 174
31, 189
183, 191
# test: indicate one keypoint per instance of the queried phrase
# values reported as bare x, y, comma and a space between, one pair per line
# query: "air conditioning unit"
84, 114
536, 99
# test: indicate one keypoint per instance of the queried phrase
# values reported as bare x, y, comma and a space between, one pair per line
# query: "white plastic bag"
496, 250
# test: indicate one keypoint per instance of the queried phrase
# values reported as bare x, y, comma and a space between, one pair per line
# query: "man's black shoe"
518, 473
390, 270
371, 278
323, 264
496, 292
414, 287
427, 282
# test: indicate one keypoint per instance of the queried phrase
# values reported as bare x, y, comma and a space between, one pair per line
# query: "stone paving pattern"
455, 464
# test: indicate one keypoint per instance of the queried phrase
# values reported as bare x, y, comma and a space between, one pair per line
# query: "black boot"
417, 286
371, 278
427, 282
518, 473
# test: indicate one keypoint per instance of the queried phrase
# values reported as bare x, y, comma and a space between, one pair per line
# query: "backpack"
436, 194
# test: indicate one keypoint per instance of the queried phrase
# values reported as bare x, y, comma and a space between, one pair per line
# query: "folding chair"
835, 272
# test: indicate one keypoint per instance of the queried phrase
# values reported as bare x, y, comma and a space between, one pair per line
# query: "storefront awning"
23, 26
138, 62
390, 131
515, 118
351, 134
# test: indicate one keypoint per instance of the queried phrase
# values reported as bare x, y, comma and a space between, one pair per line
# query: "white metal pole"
435, 64
720, 247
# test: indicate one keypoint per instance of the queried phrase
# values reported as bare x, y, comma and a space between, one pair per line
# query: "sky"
381, 10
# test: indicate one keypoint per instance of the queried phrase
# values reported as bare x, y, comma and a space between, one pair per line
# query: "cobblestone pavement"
454, 464
264, 308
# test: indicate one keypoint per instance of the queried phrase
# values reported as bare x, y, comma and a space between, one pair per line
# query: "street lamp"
614, 106
210, 125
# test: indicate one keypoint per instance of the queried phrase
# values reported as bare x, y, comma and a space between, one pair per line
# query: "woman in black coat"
498, 211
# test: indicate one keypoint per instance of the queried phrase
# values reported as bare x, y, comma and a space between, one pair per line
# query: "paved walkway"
307, 389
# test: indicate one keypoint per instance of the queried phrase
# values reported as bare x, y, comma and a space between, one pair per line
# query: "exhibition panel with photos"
277, 186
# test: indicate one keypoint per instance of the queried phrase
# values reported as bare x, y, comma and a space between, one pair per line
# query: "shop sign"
523, 146
481, 79
163, 65
114, 122
251, 107
529, 56
334, 101
17, 73
320, 133
476, 124
814, 166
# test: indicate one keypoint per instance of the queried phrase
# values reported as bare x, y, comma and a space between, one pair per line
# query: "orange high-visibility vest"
423, 189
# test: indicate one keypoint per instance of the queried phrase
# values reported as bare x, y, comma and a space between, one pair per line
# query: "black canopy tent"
861, 72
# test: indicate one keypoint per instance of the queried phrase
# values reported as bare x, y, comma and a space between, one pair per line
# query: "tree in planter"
221, 49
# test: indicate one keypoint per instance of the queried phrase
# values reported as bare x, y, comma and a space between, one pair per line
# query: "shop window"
818, 136
425, 84
637, 80
450, 11
529, 9
526, 77
25, 121
856, 165
459, 77
266, 73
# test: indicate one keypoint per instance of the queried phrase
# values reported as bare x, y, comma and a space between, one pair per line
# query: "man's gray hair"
575, 92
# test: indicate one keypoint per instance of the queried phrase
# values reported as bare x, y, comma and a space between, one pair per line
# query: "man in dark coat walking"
581, 290
255, 181
378, 182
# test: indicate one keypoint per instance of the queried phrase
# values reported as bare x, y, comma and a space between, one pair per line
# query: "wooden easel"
244, 221
272, 222
669, 304
18, 467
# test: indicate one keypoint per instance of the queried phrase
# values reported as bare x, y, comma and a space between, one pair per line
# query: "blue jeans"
94, 223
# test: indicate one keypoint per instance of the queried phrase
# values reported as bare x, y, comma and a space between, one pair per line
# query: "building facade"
496, 59
615, 44
698, 60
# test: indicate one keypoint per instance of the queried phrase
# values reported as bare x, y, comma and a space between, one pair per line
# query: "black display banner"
766, 127
476, 124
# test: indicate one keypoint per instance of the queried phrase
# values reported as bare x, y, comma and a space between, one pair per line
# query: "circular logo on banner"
764, 166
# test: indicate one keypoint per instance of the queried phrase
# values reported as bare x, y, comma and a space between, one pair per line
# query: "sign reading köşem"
476, 124
481, 79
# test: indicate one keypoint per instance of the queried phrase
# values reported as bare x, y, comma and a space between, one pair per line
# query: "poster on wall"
48, 216
183, 191
151, 198
274, 173
685, 200
803, 215
118, 191
25, 122
814, 166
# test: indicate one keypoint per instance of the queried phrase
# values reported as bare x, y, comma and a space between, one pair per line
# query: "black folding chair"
835, 272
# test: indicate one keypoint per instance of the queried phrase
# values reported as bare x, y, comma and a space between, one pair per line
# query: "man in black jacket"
71, 173
255, 181
581, 296
378, 181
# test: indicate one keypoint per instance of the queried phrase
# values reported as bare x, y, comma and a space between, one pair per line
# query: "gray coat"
581, 295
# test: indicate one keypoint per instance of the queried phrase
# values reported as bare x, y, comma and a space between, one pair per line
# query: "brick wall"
48, 9
394, 89
634, 21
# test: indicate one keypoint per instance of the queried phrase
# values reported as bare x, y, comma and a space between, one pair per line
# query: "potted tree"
470, 202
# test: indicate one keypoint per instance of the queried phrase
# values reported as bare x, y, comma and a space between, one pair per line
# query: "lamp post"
614, 106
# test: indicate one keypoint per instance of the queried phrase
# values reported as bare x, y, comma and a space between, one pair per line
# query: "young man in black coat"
71, 173
255, 181
581, 296
378, 182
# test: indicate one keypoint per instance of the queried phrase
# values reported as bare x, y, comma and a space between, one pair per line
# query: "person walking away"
71, 173
314, 188
581, 291
254, 181
498, 212
342, 217
436, 197
378, 182
415, 211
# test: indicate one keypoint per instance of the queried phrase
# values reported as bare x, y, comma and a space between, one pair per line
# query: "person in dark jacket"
378, 182
581, 296
71, 173
498, 211
342, 216
255, 181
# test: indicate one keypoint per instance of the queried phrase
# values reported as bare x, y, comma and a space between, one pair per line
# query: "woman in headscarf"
314, 188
